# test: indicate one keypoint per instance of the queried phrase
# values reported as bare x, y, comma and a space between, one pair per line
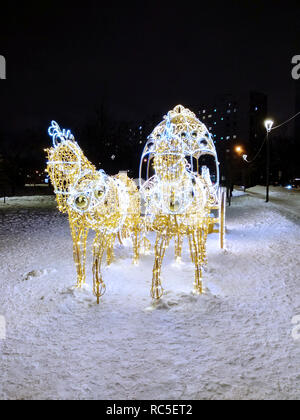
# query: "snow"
234, 342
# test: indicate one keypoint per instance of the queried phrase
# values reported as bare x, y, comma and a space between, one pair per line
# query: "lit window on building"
209, 116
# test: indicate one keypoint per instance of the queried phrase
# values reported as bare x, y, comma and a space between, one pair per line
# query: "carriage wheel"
222, 214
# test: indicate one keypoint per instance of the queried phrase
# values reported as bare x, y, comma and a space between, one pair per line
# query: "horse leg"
160, 249
119, 238
192, 253
79, 236
196, 244
98, 252
136, 244
110, 250
178, 246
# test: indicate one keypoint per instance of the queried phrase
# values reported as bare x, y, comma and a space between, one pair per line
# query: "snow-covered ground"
234, 342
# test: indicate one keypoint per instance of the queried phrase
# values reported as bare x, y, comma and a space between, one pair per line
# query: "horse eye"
82, 202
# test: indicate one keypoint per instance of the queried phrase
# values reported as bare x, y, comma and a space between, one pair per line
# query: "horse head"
66, 163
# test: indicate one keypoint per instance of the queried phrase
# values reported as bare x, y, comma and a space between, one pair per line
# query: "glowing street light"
239, 149
268, 125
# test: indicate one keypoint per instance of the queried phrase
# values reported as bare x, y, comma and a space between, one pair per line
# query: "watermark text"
296, 329
296, 68
2, 67
2, 328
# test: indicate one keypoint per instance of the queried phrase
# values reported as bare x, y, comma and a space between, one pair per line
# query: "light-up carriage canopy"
195, 140
180, 158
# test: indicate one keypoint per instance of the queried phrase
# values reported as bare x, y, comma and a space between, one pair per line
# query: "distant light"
289, 187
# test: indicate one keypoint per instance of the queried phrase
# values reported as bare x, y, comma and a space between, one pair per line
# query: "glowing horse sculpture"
92, 200
178, 198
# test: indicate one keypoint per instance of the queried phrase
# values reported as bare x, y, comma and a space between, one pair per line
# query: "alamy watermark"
2, 328
2, 67
296, 68
296, 329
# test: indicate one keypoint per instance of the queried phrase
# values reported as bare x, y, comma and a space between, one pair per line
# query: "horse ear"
54, 128
58, 135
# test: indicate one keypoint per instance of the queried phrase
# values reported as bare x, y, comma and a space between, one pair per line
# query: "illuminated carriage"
197, 144
178, 192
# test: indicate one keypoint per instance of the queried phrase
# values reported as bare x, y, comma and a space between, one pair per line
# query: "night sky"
142, 58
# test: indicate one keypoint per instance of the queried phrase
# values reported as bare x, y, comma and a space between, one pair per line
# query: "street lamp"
239, 149
268, 125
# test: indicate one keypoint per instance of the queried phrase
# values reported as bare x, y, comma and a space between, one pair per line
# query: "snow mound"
34, 273
207, 302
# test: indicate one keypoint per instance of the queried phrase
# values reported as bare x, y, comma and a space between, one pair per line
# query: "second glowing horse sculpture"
178, 199
92, 200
